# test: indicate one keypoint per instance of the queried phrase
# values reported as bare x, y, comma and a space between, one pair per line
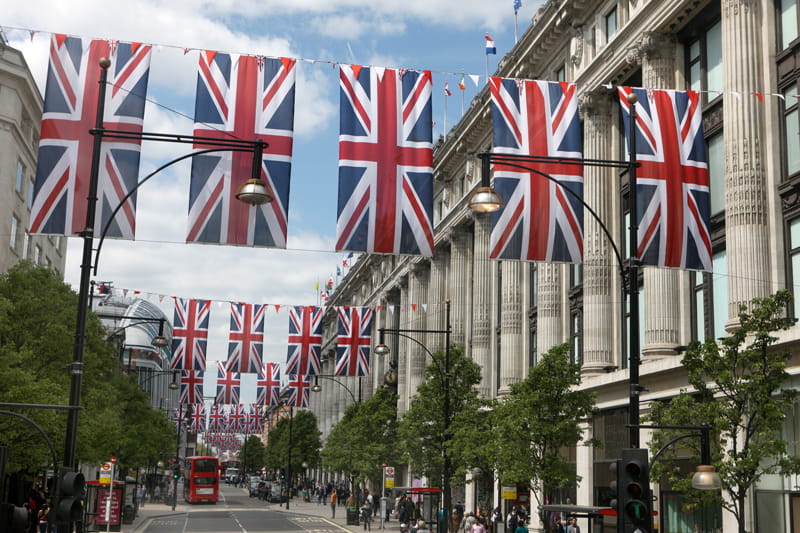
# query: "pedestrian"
512, 519
479, 526
497, 518
559, 526
572, 525
333, 504
521, 527
44, 518
366, 515
142, 496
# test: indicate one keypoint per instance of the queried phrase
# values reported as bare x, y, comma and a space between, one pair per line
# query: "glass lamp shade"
159, 341
255, 192
485, 200
381, 349
706, 478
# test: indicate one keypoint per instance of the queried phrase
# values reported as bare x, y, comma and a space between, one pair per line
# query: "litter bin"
352, 516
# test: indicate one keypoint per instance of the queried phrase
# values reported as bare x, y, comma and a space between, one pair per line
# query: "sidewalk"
162, 511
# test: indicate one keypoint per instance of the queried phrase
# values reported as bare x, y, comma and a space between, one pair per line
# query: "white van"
231, 475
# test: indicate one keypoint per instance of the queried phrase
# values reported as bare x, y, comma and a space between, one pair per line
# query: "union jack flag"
255, 425
191, 386
353, 342
216, 420
198, 418
178, 416
299, 387
385, 162
268, 385
65, 149
236, 419
246, 338
228, 385
672, 183
540, 221
244, 98
305, 340
190, 334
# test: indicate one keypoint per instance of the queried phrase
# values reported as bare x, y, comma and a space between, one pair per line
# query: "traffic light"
283, 472
176, 472
635, 503
13, 519
70, 495
615, 496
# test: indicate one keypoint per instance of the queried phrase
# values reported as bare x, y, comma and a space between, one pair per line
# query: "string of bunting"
474, 77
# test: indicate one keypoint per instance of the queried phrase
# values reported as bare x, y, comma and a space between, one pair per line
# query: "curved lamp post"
317, 387
383, 349
486, 200
253, 191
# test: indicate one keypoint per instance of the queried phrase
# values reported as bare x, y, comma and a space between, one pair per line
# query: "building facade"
743, 56
20, 117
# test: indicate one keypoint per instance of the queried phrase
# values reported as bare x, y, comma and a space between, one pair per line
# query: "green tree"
737, 389
252, 454
538, 421
422, 430
37, 327
365, 437
306, 442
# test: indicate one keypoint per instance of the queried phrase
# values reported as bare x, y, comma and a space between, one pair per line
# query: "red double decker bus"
201, 480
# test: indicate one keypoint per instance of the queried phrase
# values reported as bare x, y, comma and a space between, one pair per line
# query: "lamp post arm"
340, 384
142, 182
705, 440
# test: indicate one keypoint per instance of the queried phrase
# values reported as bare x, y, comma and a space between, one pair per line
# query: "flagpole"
445, 116
516, 35
487, 68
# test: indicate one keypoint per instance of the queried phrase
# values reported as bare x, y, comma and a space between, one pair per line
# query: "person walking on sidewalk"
333, 504
366, 515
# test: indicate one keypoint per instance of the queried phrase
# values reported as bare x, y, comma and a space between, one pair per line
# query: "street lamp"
253, 191
317, 387
705, 476
383, 349
285, 402
486, 200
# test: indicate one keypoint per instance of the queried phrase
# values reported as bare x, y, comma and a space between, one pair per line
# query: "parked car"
253, 484
276, 494
264, 489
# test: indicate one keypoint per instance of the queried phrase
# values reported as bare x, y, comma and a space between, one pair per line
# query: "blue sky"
439, 35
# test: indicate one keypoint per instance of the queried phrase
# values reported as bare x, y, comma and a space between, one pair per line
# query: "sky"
444, 36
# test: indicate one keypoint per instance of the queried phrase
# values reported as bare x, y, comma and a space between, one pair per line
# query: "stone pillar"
511, 368
600, 266
458, 283
404, 345
661, 285
746, 222
481, 304
550, 328
418, 290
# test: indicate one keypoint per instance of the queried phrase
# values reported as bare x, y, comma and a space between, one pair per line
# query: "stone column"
481, 304
404, 345
600, 266
512, 313
746, 223
550, 329
458, 283
661, 285
418, 290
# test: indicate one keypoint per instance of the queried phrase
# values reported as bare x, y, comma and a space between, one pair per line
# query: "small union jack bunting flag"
246, 338
672, 183
228, 385
198, 418
353, 342
268, 385
191, 386
299, 387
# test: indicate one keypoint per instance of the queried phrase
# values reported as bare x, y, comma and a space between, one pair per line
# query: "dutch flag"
490, 47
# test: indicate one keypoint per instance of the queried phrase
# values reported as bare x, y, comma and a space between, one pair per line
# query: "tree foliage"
252, 453
37, 325
305, 439
737, 389
422, 430
364, 437
538, 421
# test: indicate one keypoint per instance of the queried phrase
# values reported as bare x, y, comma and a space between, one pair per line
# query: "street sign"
388, 471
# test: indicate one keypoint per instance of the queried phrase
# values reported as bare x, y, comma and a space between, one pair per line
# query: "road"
236, 512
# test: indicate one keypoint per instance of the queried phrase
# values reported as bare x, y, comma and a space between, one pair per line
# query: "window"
30, 194
794, 263
716, 173
611, 23
25, 244
576, 334
710, 299
14, 225
698, 307
20, 176
787, 15
719, 295
561, 74
791, 126
704, 60
37, 253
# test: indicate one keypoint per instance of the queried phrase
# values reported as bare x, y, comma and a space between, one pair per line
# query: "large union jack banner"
228, 385
190, 334
672, 193
198, 417
268, 385
65, 148
298, 387
191, 386
540, 221
305, 340
353, 342
385, 162
246, 98
246, 338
